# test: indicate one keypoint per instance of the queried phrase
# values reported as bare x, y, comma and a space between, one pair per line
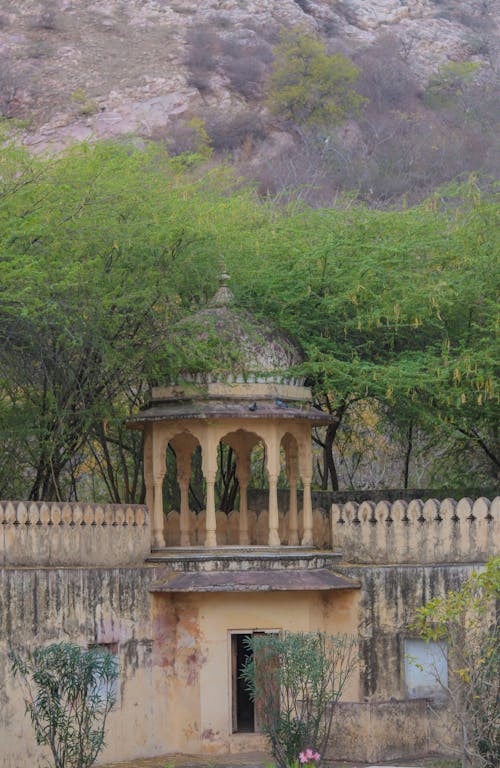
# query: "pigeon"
252, 407
281, 404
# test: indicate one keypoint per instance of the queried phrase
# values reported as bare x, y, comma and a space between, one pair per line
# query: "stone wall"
47, 533
385, 723
86, 606
463, 531
390, 730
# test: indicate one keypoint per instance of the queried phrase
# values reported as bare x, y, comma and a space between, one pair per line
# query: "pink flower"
308, 755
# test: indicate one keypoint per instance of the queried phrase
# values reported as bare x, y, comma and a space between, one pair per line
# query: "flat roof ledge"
255, 581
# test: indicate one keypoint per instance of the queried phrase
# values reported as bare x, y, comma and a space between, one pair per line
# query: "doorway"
246, 713
243, 706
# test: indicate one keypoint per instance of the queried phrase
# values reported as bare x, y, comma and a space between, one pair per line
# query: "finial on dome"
224, 295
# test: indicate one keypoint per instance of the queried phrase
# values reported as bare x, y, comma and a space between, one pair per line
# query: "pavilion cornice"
207, 411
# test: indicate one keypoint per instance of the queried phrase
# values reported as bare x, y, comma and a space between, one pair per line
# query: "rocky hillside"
171, 69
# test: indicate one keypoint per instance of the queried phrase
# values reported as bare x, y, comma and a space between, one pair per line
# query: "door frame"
232, 672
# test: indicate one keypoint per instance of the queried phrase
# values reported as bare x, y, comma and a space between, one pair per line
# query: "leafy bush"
68, 693
309, 86
296, 679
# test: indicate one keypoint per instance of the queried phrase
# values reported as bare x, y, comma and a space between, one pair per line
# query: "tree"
308, 86
394, 307
296, 679
69, 694
468, 621
101, 250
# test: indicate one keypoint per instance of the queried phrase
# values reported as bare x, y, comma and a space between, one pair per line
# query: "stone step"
243, 558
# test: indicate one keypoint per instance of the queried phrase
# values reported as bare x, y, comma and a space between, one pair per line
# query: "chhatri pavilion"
245, 397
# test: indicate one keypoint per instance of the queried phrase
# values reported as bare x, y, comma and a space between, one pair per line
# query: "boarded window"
426, 669
102, 685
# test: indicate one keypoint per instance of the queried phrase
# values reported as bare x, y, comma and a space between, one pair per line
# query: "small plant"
296, 679
68, 694
86, 106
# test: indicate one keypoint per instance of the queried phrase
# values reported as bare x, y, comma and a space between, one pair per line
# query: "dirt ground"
261, 760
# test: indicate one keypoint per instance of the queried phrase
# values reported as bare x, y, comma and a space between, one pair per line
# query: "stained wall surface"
173, 651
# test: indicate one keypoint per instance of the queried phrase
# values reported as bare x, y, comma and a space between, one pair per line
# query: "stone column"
307, 538
211, 523
159, 447
209, 467
243, 475
293, 518
305, 461
148, 468
273, 468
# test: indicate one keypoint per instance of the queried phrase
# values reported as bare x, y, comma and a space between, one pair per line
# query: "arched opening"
177, 489
241, 443
290, 448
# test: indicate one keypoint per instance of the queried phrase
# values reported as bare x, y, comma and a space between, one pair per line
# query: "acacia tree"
398, 308
468, 622
101, 250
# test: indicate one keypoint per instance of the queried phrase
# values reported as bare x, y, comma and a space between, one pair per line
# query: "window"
111, 648
426, 669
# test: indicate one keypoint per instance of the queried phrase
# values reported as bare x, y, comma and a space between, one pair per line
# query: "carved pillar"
159, 470
211, 524
305, 460
307, 538
209, 466
273, 469
184, 516
148, 467
292, 474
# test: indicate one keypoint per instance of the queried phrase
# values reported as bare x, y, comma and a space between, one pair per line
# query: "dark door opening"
243, 706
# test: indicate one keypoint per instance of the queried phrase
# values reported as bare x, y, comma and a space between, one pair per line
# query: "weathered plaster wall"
193, 645
448, 531
390, 596
46, 533
173, 652
84, 605
392, 725
373, 731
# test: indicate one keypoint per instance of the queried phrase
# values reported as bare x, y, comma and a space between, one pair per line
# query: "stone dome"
221, 343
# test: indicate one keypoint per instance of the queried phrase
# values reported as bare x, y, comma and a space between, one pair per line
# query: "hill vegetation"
427, 79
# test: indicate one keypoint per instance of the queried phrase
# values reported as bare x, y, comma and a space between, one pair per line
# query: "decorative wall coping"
418, 531
52, 533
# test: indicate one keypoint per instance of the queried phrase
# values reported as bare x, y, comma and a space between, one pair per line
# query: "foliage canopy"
105, 249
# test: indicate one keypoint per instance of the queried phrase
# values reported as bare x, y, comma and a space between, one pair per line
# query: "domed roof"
220, 343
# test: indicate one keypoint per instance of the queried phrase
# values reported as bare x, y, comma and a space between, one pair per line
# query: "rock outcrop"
77, 69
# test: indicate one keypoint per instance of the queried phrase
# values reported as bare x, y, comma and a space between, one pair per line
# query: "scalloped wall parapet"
39, 533
425, 532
